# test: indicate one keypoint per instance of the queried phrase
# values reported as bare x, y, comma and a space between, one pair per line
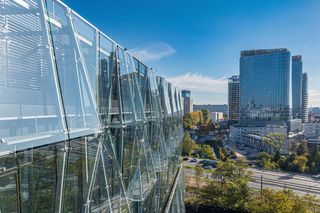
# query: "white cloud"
201, 83
153, 51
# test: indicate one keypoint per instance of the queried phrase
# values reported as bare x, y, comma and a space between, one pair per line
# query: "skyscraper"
296, 86
265, 86
233, 97
305, 97
187, 101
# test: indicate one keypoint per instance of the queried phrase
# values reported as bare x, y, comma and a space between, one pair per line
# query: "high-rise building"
84, 126
233, 97
305, 98
296, 87
187, 101
265, 86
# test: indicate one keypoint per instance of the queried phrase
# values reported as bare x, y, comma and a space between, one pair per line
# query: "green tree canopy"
188, 145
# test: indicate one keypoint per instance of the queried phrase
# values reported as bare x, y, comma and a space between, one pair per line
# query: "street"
276, 180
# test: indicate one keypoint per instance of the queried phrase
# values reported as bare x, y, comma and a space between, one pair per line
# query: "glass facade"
233, 97
305, 97
296, 86
265, 86
84, 126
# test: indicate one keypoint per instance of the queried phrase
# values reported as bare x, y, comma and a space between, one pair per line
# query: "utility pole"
261, 183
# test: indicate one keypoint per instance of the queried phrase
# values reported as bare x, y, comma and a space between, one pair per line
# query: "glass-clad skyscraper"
84, 126
296, 86
265, 86
233, 97
305, 98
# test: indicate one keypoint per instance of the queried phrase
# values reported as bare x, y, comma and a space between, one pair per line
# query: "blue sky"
197, 44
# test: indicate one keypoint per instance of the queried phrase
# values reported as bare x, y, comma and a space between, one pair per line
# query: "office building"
305, 97
233, 97
187, 101
265, 86
296, 87
84, 126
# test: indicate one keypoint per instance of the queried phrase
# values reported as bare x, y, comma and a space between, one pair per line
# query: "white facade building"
216, 116
237, 132
312, 130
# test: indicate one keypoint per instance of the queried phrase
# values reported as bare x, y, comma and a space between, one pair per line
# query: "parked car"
185, 158
194, 160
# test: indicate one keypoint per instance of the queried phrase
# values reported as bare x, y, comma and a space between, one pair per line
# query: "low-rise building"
259, 143
216, 116
237, 131
312, 130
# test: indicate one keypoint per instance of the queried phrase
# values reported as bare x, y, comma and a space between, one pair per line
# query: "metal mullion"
94, 172
106, 180
84, 66
80, 89
125, 53
50, 42
53, 64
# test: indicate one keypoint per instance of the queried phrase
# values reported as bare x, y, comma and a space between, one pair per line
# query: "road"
277, 180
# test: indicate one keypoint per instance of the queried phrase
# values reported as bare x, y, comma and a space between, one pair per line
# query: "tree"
314, 160
229, 188
285, 201
300, 163
188, 145
187, 121
277, 156
205, 115
207, 151
302, 148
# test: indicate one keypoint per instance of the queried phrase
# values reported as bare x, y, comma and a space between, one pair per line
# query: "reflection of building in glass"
187, 101
233, 97
305, 97
296, 86
265, 86
84, 126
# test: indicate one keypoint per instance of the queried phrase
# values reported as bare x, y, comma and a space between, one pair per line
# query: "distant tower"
187, 101
305, 97
233, 97
265, 86
297, 87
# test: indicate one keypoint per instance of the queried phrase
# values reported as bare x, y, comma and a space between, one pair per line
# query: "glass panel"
74, 78
29, 108
125, 88
135, 88
8, 193
39, 178
105, 78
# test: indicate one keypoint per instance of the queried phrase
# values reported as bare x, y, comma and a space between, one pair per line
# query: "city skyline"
211, 41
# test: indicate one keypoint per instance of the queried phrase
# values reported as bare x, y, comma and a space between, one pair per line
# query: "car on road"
316, 176
194, 160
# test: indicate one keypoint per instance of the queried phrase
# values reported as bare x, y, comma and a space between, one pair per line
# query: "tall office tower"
187, 101
265, 86
233, 97
296, 86
305, 98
